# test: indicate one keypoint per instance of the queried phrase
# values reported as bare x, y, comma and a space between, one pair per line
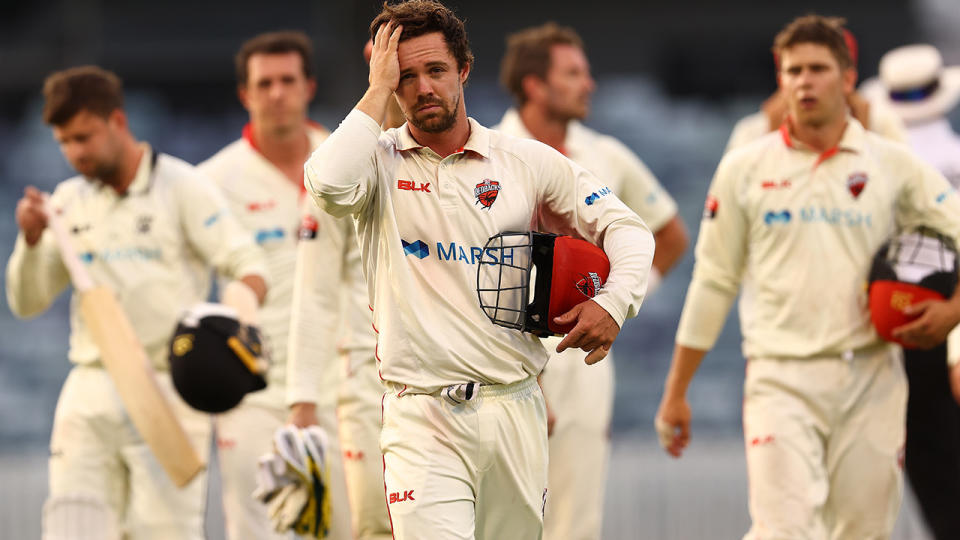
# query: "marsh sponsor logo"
473, 254
416, 248
596, 195
266, 235
837, 217
942, 196
772, 217
123, 254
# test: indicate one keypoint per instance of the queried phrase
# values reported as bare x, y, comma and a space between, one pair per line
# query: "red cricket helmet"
525, 279
911, 267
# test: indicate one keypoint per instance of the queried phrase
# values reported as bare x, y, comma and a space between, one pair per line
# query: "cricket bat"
129, 367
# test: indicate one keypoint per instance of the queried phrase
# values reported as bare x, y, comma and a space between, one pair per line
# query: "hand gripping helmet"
911, 267
214, 359
525, 279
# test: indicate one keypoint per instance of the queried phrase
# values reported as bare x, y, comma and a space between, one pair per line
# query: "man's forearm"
686, 361
672, 241
374, 102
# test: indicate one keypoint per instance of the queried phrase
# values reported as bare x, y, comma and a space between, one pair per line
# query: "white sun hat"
916, 85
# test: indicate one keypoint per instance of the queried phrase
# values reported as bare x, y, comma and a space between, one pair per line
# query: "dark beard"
438, 122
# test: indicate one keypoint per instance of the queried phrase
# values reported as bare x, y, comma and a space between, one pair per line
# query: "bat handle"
78, 272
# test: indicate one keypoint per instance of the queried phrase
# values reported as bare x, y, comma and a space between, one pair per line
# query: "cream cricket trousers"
476, 469
359, 412
824, 443
97, 454
243, 435
581, 398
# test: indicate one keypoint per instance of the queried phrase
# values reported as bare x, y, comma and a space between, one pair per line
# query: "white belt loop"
460, 393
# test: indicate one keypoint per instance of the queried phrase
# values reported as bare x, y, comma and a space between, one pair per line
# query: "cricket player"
872, 115
916, 86
464, 425
261, 176
148, 227
547, 72
796, 218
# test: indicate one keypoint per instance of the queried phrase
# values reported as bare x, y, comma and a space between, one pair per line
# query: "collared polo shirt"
423, 221
153, 246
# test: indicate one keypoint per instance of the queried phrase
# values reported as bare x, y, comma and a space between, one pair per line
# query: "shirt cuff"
704, 314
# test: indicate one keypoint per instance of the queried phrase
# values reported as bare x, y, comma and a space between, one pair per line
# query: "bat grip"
78, 273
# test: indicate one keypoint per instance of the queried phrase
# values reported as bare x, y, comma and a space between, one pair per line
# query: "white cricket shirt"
422, 222
267, 204
153, 246
799, 230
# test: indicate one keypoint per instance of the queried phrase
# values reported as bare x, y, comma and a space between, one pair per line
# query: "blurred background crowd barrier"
672, 79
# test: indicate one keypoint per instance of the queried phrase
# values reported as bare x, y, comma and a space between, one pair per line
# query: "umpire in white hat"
916, 85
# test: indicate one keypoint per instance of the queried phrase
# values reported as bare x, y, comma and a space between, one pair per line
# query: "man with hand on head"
547, 72
261, 176
796, 217
464, 424
150, 228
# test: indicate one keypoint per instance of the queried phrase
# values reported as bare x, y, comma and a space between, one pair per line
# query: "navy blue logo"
418, 248
592, 198
772, 217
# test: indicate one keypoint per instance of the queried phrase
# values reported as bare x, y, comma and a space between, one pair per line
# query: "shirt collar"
512, 123
315, 133
142, 179
852, 139
478, 142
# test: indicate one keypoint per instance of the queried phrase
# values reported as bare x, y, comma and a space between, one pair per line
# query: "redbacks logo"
589, 284
308, 228
486, 192
856, 182
710, 207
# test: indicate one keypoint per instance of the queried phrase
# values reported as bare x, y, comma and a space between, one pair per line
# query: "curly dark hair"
88, 88
420, 17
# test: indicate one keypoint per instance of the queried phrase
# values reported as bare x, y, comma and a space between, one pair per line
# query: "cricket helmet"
525, 279
215, 360
911, 267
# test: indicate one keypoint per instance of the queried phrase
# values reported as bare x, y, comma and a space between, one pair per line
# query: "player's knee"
79, 516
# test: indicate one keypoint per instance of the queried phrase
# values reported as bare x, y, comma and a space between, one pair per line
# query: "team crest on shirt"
589, 284
486, 192
710, 207
856, 182
143, 224
308, 228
